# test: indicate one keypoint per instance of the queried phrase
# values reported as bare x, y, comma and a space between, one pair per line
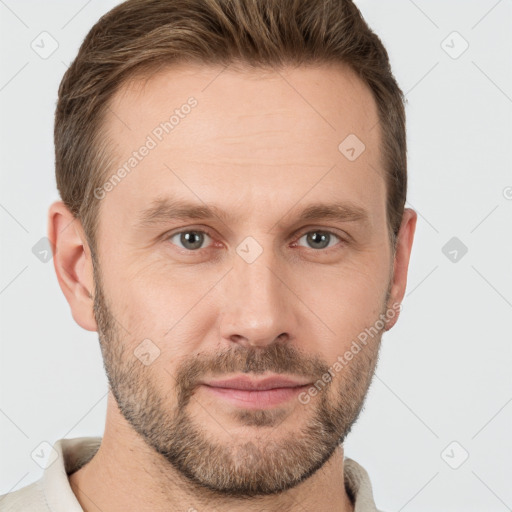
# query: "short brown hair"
140, 37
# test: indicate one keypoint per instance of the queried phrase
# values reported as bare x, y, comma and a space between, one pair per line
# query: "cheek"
152, 291
158, 305
358, 286
345, 303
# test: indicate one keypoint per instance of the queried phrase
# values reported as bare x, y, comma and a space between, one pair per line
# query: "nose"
257, 306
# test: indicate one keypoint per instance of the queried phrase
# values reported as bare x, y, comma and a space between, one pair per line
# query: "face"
249, 285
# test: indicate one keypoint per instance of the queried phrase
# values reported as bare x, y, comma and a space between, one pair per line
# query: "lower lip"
256, 399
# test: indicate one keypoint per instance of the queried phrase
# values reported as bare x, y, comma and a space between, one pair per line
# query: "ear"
401, 262
73, 264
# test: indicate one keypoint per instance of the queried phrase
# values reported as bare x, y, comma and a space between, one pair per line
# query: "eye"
320, 239
191, 240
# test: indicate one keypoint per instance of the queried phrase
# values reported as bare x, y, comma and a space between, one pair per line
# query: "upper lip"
245, 382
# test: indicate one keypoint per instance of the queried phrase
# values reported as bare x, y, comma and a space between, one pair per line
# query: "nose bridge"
257, 302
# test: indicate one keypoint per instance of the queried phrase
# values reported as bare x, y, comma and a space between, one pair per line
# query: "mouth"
256, 394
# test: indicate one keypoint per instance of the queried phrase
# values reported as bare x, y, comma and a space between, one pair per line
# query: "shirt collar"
358, 485
71, 454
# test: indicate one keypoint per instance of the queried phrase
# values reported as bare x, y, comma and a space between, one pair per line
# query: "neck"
126, 474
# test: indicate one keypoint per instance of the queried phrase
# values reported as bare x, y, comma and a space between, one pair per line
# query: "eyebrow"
164, 209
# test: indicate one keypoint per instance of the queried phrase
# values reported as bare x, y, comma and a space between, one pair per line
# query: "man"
232, 223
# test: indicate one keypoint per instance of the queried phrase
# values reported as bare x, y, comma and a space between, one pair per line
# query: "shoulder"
30, 498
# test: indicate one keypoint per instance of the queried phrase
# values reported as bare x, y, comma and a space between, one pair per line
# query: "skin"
261, 146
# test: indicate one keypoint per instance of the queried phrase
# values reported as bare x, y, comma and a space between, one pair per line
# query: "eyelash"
302, 233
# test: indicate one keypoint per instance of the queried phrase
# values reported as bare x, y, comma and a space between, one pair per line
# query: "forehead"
245, 138
328, 97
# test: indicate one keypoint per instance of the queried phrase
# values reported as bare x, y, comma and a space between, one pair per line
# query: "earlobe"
72, 263
401, 262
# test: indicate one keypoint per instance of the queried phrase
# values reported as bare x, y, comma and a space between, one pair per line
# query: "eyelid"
333, 231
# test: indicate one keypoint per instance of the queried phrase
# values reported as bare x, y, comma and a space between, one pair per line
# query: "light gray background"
445, 369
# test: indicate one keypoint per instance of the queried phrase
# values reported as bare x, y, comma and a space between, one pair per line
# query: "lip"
245, 382
256, 394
